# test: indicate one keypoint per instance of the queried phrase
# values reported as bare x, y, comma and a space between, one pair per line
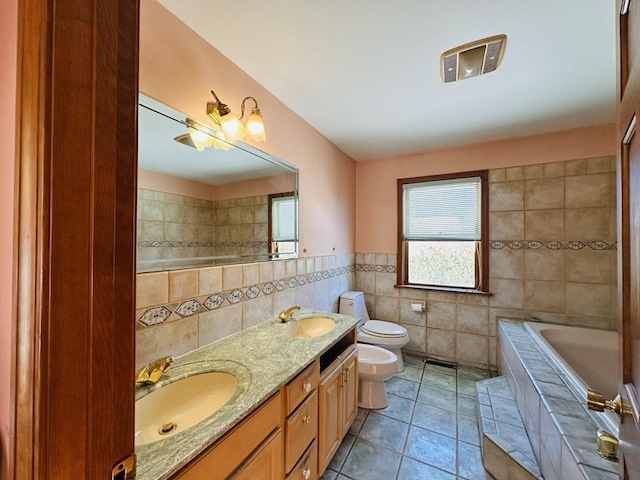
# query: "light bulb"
232, 127
255, 127
220, 141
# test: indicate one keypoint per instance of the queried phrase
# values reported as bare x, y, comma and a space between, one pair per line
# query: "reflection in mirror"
203, 202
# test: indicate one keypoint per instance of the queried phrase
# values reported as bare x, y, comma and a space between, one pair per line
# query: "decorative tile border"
552, 245
363, 267
156, 243
193, 306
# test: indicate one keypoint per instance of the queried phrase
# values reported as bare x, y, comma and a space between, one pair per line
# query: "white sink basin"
311, 327
182, 404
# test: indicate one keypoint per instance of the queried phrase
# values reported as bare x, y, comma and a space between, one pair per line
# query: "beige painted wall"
179, 68
162, 182
376, 229
8, 70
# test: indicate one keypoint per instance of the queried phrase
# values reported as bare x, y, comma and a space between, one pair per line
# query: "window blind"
443, 210
283, 212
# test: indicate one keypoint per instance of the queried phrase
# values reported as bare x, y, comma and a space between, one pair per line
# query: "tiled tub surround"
263, 358
181, 310
173, 226
552, 253
561, 430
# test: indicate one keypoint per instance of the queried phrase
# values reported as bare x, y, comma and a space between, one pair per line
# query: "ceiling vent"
472, 59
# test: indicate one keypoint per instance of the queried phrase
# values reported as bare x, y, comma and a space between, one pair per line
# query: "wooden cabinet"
295, 433
301, 425
266, 463
302, 429
256, 445
350, 390
301, 386
307, 467
338, 403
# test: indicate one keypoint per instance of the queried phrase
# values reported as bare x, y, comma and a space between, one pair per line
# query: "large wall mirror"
203, 202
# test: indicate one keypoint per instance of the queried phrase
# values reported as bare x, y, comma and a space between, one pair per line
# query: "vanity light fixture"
201, 136
231, 126
472, 59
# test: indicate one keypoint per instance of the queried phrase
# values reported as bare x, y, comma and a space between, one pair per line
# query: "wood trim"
270, 198
31, 149
76, 154
624, 255
402, 264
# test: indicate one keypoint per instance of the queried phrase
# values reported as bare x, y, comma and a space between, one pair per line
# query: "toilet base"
372, 394
400, 362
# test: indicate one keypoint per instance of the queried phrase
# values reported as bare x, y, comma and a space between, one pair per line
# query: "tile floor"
428, 431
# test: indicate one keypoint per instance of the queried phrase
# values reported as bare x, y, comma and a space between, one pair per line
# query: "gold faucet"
153, 372
286, 315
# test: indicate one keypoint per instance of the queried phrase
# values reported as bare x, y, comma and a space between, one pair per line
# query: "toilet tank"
352, 303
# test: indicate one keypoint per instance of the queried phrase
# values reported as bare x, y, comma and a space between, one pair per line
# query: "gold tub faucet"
153, 372
286, 315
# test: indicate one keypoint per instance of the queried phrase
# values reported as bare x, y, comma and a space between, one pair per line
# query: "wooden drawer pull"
307, 387
306, 418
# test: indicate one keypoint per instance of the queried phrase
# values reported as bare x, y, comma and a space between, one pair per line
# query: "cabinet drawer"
307, 467
301, 386
302, 428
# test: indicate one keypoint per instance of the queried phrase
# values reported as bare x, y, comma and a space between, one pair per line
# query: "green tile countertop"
263, 358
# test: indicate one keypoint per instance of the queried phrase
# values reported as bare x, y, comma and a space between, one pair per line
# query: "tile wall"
181, 310
241, 226
174, 226
552, 256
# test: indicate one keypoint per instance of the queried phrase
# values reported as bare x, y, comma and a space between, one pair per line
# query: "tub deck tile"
503, 434
569, 421
553, 390
562, 406
585, 453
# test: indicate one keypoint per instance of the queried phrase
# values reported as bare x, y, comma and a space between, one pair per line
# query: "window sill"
445, 289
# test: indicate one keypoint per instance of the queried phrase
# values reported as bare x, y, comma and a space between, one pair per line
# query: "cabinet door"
267, 463
349, 391
235, 448
330, 430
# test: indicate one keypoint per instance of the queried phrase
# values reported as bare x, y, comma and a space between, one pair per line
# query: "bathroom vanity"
296, 398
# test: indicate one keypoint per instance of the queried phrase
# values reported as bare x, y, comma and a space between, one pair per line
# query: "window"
283, 226
443, 231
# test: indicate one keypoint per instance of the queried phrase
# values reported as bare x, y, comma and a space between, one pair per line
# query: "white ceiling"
365, 73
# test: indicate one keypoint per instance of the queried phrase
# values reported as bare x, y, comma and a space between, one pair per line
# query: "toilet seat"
379, 328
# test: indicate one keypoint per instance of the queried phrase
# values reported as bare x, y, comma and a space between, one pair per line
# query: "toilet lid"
384, 329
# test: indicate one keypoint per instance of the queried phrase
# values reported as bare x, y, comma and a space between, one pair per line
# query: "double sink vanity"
273, 401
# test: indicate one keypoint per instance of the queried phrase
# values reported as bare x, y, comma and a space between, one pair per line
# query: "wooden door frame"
628, 89
76, 157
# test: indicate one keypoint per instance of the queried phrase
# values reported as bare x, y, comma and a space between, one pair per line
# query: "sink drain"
167, 428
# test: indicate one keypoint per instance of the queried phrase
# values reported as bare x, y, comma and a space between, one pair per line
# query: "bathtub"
549, 369
586, 357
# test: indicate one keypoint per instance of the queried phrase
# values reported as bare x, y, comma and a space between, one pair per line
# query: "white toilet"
374, 332
375, 365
